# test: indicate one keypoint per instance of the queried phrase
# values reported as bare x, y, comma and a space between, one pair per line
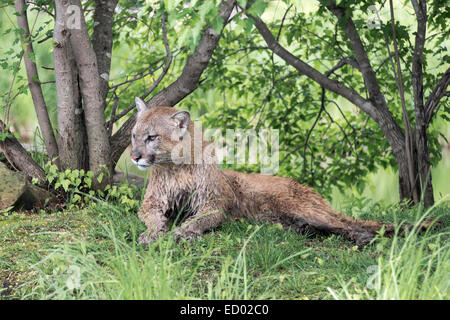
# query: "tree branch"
282, 21
109, 125
432, 104
138, 76
155, 83
305, 69
14, 151
41, 7
367, 72
348, 60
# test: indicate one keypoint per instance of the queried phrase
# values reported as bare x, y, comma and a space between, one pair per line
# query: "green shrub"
76, 187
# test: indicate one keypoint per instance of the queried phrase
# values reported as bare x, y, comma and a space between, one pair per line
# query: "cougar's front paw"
363, 238
185, 234
145, 238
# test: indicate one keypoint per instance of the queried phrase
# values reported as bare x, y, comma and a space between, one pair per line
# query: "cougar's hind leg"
325, 221
306, 210
293, 222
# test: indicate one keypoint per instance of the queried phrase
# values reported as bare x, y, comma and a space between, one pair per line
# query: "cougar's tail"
389, 229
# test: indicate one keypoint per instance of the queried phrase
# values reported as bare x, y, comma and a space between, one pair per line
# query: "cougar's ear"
140, 105
182, 119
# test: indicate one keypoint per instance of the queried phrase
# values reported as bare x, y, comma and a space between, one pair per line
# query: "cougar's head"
156, 133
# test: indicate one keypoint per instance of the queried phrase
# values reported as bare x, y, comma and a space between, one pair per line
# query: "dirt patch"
7, 284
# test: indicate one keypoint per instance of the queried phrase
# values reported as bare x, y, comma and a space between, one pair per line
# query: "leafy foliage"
331, 145
76, 185
246, 86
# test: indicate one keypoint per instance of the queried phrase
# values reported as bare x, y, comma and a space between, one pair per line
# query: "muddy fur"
200, 196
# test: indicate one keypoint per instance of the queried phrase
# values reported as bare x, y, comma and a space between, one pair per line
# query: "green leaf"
65, 184
88, 182
248, 25
258, 8
217, 24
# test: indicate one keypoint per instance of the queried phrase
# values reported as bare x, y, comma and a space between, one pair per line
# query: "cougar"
200, 196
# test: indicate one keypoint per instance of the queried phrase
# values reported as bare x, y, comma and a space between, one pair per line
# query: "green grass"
416, 267
94, 254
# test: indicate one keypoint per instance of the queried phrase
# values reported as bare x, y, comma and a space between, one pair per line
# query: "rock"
17, 191
12, 186
35, 197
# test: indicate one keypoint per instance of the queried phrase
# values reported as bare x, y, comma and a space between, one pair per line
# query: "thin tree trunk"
423, 157
80, 126
408, 135
34, 84
404, 188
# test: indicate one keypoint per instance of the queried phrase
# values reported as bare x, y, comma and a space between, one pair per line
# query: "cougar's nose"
135, 155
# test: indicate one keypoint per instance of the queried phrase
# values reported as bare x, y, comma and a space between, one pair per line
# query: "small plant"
124, 194
73, 184
76, 186
6, 212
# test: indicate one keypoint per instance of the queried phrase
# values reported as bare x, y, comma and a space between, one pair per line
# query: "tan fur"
209, 195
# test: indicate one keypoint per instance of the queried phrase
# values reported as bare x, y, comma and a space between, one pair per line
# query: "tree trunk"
71, 133
34, 84
98, 140
421, 143
80, 126
424, 166
422, 175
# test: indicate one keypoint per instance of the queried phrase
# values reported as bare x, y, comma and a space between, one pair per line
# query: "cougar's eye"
151, 138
